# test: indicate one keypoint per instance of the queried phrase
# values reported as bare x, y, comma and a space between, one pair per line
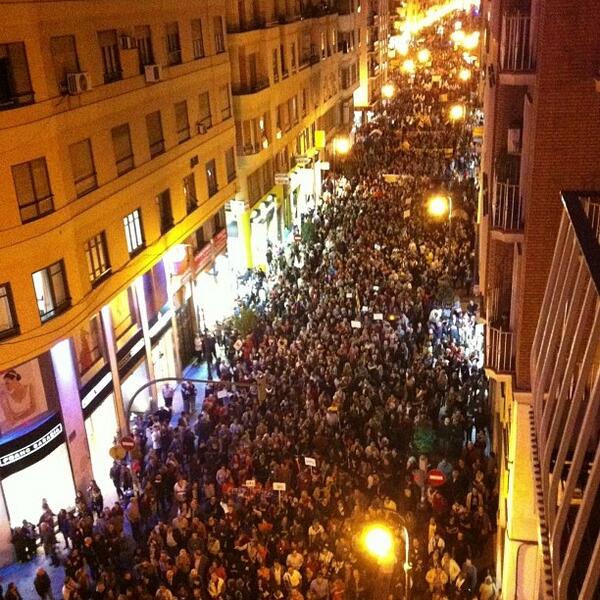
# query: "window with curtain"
156, 141
225, 102
197, 38
51, 291
219, 36
96, 254
111, 59
8, 316
182, 122
165, 210
15, 83
173, 43
134, 232
82, 167
143, 37
64, 59
211, 177
121, 139
230, 164
204, 112
32, 187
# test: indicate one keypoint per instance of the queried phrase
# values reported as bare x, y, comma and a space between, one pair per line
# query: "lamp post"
341, 145
378, 540
438, 205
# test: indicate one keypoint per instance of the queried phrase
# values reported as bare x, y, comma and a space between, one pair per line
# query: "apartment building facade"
147, 154
540, 100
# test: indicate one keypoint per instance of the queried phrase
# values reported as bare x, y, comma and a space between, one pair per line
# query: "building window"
284, 70
156, 141
15, 84
32, 186
293, 57
51, 291
96, 254
82, 166
204, 112
230, 164
304, 103
219, 220
173, 44
189, 191
197, 38
293, 109
225, 102
111, 60
211, 178
121, 139
166, 211
182, 123
134, 232
8, 315
219, 37
64, 59
275, 65
143, 38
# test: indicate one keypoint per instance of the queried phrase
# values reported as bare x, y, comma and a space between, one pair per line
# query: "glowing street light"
424, 56
379, 543
457, 112
458, 37
464, 74
438, 205
457, 25
342, 144
471, 41
388, 90
408, 66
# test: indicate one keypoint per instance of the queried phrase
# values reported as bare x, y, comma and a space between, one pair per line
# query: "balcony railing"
318, 10
249, 149
499, 354
252, 87
247, 25
507, 207
516, 47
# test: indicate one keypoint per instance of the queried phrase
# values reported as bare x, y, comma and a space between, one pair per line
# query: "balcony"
249, 149
507, 211
247, 25
15, 100
252, 87
499, 350
517, 57
318, 10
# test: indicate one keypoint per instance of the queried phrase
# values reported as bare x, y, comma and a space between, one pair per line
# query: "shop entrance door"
184, 317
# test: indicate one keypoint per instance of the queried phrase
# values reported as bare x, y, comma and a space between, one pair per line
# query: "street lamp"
438, 206
423, 55
341, 144
408, 66
457, 112
464, 74
458, 36
471, 41
388, 90
378, 540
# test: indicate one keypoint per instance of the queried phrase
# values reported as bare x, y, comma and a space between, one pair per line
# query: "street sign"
127, 443
435, 478
282, 179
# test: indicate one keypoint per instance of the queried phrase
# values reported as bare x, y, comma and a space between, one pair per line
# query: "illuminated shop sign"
33, 445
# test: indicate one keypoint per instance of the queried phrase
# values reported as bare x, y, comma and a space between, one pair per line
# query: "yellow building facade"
149, 152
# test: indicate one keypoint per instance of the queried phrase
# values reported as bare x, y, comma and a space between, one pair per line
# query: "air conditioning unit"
78, 83
153, 73
128, 42
201, 127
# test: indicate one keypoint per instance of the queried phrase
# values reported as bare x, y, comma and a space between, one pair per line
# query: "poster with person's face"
22, 395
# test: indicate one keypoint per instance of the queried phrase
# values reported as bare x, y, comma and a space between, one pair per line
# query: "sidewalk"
23, 574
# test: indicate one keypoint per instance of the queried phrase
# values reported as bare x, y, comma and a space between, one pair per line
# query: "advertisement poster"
22, 395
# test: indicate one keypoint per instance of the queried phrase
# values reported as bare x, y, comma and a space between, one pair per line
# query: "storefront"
265, 228
34, 464
164, 358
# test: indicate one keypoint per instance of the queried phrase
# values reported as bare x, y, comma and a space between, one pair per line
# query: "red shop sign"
219, 241
204, 257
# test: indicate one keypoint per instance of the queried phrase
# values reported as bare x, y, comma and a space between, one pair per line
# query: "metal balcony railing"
516, 45
252, 87
247, 25
507, 207
499, 354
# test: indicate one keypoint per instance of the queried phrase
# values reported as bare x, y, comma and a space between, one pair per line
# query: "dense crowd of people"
362, 375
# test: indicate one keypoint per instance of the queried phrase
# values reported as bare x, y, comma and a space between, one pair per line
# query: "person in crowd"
43, 585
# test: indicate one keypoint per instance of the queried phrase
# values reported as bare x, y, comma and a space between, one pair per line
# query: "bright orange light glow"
438, 205
388, 90
424, 55
458, 37
408, 66
457, 112
464, 75
342, 144
379, 542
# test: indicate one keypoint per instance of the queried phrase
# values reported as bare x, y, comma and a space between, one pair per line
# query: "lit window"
134, 232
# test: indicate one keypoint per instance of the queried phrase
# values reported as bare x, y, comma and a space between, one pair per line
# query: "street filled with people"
357, 397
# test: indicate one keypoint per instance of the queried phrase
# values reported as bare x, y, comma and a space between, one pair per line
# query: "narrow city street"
368, 401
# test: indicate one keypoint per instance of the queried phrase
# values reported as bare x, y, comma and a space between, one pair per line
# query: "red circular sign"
127, 442
436, 478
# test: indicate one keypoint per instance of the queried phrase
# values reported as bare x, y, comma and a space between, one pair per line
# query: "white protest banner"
279, 486
222, 394
377, 316
349, 294
250, 483
310, 462
365, 309
355, 324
